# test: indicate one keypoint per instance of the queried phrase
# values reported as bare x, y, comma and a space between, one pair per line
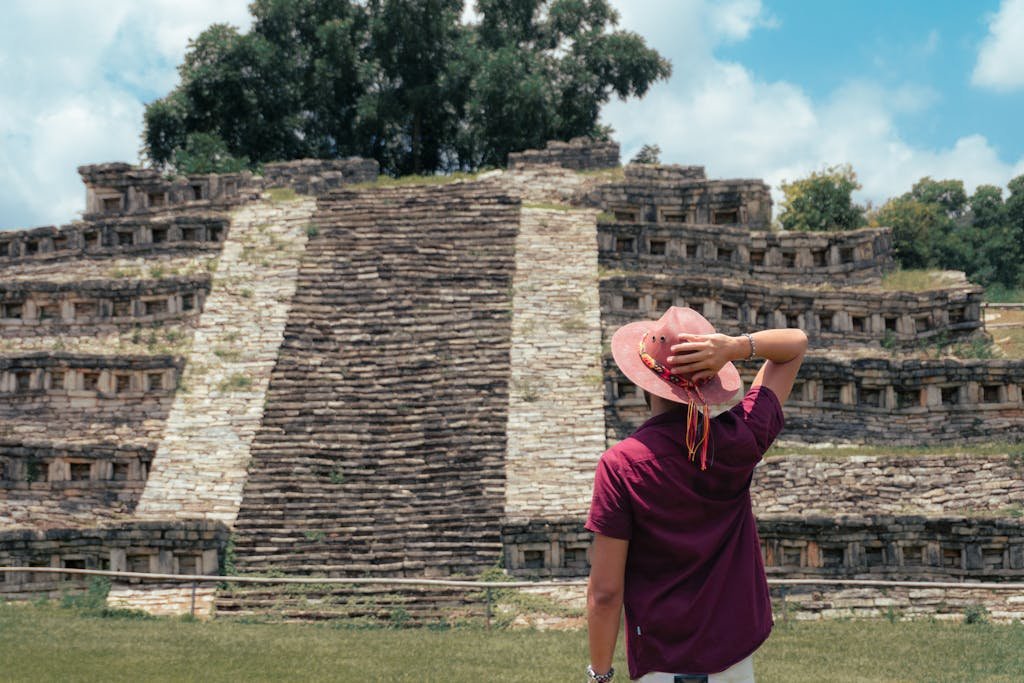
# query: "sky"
771, 89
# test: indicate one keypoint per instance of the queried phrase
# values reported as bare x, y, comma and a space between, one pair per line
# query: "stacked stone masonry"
44, 486
382, 444
555, 424
305, 417
200, 466
674, 247
652, 195
157, 547
28, 307
579, 154
118, 188
834, 319
891, 485
169, 231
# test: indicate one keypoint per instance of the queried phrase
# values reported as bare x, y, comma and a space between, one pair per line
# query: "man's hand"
699, 357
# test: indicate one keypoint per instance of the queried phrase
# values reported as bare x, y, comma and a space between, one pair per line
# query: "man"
675, 541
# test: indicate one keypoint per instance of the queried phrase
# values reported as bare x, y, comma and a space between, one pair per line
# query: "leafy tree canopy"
937, 225
402, 81
648, 154
822, 201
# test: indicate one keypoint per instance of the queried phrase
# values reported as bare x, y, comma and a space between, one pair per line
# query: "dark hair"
647, 398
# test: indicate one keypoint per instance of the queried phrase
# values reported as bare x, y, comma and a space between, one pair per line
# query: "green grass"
413, 180
548, 206
282, 194
999, 294
47, 643
914, 280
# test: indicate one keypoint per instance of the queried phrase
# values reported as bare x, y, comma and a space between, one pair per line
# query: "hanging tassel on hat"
694, 438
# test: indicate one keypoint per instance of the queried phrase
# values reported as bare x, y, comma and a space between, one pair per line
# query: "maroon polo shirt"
696, 596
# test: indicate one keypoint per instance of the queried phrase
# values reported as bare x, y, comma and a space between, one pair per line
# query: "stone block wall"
119, 188
33, 307
833, 319
645, 198
578, 154
148, 235
553, 547
555, 426
317, 176
904, 548
798, 258
44, 486
201, 462
875, 400
836, 483
905, 402
383, 439
159, 547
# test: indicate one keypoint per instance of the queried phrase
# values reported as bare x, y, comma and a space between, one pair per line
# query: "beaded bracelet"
600, 678
751, 338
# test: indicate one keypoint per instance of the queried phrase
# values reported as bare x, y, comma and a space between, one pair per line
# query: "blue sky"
770, 89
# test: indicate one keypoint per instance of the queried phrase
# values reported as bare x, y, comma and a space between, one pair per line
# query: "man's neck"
660, 405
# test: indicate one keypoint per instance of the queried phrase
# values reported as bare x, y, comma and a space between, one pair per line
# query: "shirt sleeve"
761, 412
611, 513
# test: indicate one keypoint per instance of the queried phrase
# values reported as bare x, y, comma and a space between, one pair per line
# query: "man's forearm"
778, 345
603, 628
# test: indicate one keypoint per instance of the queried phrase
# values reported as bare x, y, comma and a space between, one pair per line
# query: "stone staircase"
383, 435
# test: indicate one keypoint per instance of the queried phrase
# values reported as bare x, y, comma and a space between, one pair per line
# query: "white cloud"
73, 80
720, 115
1000, 64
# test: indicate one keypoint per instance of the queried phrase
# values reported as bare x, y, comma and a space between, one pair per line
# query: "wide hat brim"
719, 390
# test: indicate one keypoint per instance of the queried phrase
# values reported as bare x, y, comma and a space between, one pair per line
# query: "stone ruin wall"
157, 547
580, 154
849, 319
647, 195
97, 323
382, 443
651, 236
659, 247
853, 484
795, 258
296, 473
120, 188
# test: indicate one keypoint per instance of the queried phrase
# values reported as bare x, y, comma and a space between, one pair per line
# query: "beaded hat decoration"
646, 365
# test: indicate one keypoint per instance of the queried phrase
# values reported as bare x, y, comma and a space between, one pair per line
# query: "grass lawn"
47, 643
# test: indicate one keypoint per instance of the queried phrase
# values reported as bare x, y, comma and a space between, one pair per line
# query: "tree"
822, 201
401, 81
648, 154
913, 224
936, 225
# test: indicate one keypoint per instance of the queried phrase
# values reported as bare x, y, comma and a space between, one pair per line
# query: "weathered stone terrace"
120, 188
70, 398
656, 194
830, 317
172, 230
843, 482
876, 400
46, 486
383, 437
578, 154
161, 547
804, 258
32, 307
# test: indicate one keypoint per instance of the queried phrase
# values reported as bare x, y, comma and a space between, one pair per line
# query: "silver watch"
593, 677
